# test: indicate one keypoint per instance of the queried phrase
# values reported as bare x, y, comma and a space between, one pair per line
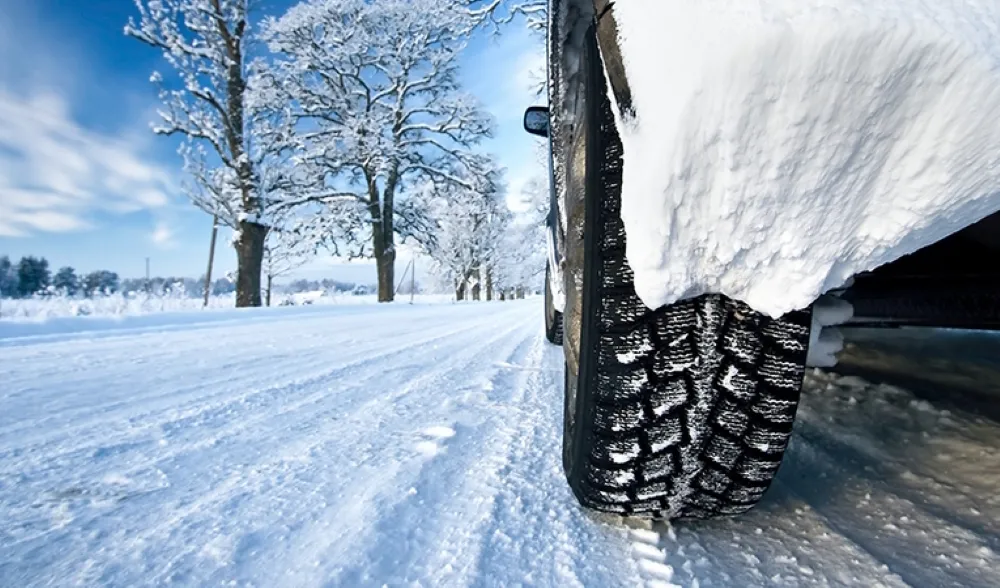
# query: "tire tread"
699, 395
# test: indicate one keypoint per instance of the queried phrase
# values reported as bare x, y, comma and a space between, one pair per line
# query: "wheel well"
954, 282
965, 253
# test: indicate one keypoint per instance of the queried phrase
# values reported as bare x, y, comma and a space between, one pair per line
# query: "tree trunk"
460, 291
476, 285
249, 258
250, 245
489, 284
385, 255
385, 264
382, 211
268, 291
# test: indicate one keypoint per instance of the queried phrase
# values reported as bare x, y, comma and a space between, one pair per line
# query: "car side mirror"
536, 120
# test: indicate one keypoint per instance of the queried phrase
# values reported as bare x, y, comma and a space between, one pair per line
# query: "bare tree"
376, 97
205, 43
283, 253
501, 12
470, 228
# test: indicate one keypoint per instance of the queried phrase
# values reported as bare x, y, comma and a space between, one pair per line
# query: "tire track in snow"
176, 417
96, 365
536, 533
929, 457
396, 457
471, 337
94, 380
359, 441
918, 547
447, 520
903, 485
507, 517
194, 390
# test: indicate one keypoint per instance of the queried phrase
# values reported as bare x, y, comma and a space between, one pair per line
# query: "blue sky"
85, 183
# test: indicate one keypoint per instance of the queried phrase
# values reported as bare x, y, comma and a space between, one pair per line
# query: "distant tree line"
326, 285
159, 286
32, 276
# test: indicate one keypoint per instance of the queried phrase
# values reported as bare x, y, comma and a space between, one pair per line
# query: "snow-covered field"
121, 305
43, 308
420, 445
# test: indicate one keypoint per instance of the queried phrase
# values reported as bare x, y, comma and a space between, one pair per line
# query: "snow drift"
779, 147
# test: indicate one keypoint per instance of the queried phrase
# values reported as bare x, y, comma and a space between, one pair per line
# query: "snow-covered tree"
523, 263
500, 12
33, 275
469, 232
8, 277
101, 282
66, 281
284, 251
379, 111
205, 42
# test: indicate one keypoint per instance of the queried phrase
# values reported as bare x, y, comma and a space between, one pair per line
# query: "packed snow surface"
780, 146
420, 446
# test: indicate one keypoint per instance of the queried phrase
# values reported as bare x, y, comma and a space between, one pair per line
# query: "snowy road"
356, 446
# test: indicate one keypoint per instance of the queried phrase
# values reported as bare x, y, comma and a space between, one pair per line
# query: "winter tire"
680, 412
553, 318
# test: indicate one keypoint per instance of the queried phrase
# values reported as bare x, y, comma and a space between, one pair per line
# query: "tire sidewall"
583, 200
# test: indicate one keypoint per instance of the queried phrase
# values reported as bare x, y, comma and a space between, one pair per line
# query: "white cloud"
163, 236
55, 174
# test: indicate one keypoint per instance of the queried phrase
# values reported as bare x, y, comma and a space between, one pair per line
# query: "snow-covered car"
726, 177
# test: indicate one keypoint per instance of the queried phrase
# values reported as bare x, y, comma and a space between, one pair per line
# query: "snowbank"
117, 306
781, 146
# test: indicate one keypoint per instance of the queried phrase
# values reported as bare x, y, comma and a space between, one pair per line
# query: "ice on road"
420, 445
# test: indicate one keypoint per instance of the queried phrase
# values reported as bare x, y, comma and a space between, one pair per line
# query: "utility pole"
402, 279
413, 278
211, 258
